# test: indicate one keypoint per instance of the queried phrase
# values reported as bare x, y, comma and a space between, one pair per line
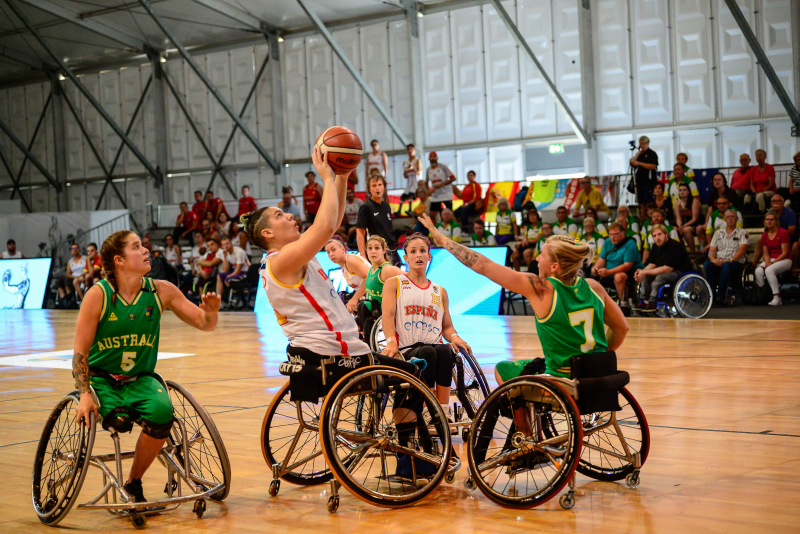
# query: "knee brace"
155, 430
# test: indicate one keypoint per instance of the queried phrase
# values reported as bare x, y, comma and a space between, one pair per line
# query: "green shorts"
146, 398
511, 368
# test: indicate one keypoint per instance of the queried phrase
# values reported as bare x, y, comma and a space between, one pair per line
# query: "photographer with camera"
644, 164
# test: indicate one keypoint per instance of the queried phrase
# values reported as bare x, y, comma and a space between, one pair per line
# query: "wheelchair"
690, 297
193, 455
470, 386
359, 425
535, 431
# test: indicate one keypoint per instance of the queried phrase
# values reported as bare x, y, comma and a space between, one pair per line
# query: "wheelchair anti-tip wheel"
208, 459
377, 339
692, 296
525, 442
287, 442
61, 461
384, 455
608, 434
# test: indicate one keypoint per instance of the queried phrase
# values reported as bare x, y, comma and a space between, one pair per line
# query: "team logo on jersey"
406, 282
322, 274
149, 311
133, 317
436, 289
112, 317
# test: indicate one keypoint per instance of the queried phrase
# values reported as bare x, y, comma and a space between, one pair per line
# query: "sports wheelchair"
361, 426
193, 455
690, 297
535, 431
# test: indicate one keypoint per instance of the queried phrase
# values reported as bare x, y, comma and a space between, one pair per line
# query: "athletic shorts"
230, 277
441, 205
511, 368
145, 398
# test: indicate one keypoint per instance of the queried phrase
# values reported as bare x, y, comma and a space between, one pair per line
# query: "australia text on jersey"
122, 341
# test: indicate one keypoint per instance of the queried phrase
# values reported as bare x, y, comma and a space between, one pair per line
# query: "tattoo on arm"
80, 371
463, 254
538, 286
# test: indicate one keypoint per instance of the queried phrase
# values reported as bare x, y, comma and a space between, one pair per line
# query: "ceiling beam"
23, 58
233, 13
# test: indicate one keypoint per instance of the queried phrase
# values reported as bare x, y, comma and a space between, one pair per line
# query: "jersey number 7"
587, 318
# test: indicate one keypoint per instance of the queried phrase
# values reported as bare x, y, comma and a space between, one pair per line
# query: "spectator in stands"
631, 222
726, 256
439, 176
375, 217
657, 217
11, 252
598, 226
773, 247
787, 219
424, 206
200, 206
377, 159
668, 261
476, 209
480, 237
187, 222
198, 250
506, 219
662, 202
763, 183
529, 255
647, 223
312, 197
645, 164
208, 264
471, 192
412, 171
794, 183
741, 181
94, 266
240, 238
564, 225
172, 253
247, 204
289, 205
594, 240
208, 230
628, 232
673, 186
529, 236
347, 230
687, 217
719, 188
215, 205
352, 180
618, 261
589, 197
683, 159
234, 265
449, 227
223, 223
70, 285
717, 220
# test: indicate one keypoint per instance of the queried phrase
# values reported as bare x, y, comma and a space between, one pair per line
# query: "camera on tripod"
632, 144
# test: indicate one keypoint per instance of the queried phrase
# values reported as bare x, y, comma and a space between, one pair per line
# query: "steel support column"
763, 60
415, 57
551, 88
354, 72
159, 113
276, 94
587, 83
210, 86
60, 141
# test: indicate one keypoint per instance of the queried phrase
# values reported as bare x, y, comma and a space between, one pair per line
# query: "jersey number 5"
128, 362
587, 318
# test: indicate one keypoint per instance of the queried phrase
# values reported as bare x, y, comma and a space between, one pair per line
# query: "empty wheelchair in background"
535, 431
470, 386
359, 425
194, 457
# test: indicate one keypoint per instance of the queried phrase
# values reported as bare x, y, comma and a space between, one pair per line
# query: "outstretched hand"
321, 164
210, 302
437, 237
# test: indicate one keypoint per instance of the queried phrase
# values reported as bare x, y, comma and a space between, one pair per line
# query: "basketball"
343, 147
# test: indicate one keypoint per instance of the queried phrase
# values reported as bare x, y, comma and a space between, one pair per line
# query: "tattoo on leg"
462, 253
80, 371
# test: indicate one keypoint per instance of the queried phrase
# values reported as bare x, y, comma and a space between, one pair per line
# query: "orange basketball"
343, 147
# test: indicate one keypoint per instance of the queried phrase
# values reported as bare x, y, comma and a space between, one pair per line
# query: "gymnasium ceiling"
196, 27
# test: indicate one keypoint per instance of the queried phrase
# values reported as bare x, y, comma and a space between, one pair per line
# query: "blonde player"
354, 269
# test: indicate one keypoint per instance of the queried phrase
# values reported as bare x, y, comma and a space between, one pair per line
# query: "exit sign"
556, 149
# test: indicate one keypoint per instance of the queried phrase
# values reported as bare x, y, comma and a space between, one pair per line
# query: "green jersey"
574, 326
126, 341
374, 285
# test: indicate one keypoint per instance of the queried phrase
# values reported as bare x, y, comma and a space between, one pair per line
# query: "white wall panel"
5, 143
437, 80
130, 87
269, 183
502, 75
146, 123
197, 103
93, 191
135, 193
75, 141
781, 146
693, 59
375, 71
538, 107
18, 120
111, 200
396, 180
248, 177
92, 122
110, 100
776, 39
176, 121
469, 92
737, 141
506, 163
476, 159
77, 197
34, 104
738, 85
220, 123
262, 101
319, 68
401, 81
613, 153
612, 64
181, 191
243, 72
295, 103
40, 199
349, 97
567, 60
663, 144
701, 146
651, 62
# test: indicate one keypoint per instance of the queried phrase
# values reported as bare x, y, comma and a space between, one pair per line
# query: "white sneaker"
776, 301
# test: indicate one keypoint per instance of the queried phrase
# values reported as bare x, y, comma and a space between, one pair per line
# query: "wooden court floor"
721, 397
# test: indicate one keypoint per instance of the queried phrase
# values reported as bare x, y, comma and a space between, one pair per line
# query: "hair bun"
244, 219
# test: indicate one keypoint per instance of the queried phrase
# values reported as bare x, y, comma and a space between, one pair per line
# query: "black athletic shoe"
134, 489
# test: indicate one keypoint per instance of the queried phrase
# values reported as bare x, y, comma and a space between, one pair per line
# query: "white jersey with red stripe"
375, 161
353, 280
419, 313
311, 313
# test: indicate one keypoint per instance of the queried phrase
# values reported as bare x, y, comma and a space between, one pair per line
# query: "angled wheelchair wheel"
377, 339
208, 459
61, 462
692, 296
603, 441
525, 442
476, 388
382, 452
286, 442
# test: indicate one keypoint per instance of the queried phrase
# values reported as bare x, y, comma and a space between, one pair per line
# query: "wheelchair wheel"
281, 428
208, 458
385, 455
692, 296
377, 339
61, 461
633, 424
476, 388
525, 467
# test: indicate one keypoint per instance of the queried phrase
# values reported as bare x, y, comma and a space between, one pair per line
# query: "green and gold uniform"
374, 285
126, 346
573, 326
